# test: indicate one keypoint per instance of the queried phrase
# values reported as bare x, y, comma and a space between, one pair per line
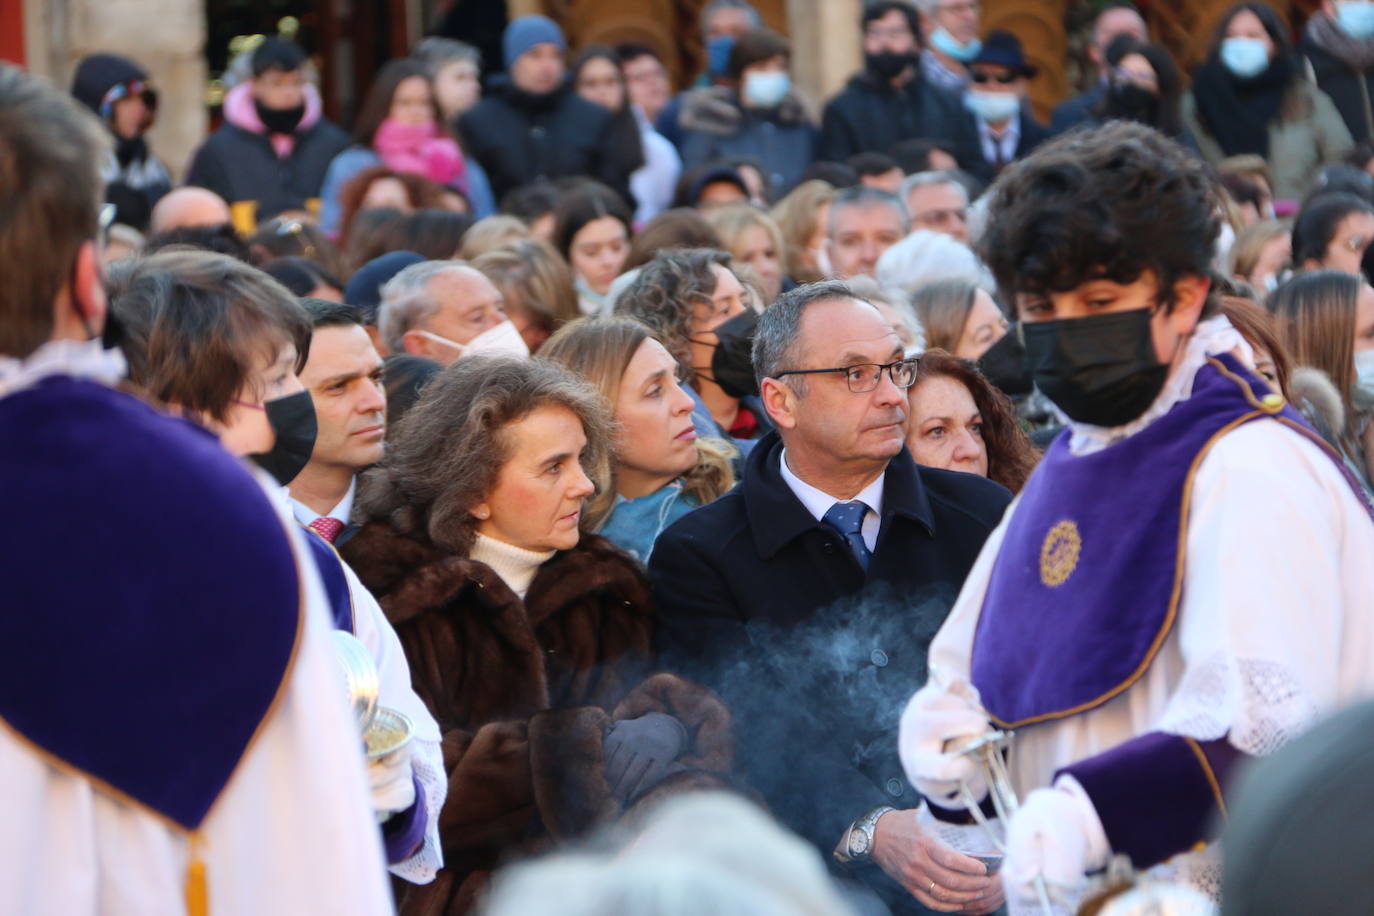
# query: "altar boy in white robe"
174, 736
1184, 582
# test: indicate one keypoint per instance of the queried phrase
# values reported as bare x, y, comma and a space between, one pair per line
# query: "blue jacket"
635, 524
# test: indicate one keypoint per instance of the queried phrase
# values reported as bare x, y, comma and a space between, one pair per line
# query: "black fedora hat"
1003, 49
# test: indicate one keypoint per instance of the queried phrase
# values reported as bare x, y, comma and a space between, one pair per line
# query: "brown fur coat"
524, 691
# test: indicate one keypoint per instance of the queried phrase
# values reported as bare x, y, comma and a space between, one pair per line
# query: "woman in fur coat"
529, 642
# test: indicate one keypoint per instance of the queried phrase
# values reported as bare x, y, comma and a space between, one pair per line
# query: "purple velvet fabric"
330, 565
151, 603
1083, 590
404, 833
1154, 795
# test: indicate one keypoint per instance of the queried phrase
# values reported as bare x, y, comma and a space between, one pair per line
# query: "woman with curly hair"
528, 641
660, 469
960, 422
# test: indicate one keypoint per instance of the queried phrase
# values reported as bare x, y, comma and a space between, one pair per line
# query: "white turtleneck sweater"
515, 565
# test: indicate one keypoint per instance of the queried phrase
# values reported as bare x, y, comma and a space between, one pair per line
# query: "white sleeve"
426, 757
1274, 625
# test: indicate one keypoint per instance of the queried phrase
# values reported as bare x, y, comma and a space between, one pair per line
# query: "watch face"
858, 843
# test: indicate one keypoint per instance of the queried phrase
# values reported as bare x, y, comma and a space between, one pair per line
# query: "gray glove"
639, 752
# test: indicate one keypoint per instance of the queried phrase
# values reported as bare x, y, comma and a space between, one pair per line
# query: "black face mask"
732, 363
1004, 364
279, 120
887, 64
1100, 370
1131, 100
293, 420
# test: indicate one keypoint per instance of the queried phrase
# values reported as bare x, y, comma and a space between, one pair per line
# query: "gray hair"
863, 197
929, 179
716, 5
777, 339
406, 300
434, 52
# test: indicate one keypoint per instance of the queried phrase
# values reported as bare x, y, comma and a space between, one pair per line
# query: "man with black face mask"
889, 101
275, 144
1184, 582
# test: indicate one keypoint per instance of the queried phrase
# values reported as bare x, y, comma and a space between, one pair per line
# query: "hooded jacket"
134, 179
518, 138
871, 116
782, 140
243, 163
524, 691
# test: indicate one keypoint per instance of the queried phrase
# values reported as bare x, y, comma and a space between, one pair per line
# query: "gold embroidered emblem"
1059, 554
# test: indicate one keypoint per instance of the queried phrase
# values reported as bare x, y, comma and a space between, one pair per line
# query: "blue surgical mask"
993, 107
1356, 18
1364, 369
950, 46
766, 90
718, 55
1245, 57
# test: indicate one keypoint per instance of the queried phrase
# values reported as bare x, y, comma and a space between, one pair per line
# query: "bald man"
1116, 19
186, 207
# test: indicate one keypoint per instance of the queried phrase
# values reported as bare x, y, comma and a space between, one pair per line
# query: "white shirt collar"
1008, 142
305, 515
1210, 337
77, 358
818, 502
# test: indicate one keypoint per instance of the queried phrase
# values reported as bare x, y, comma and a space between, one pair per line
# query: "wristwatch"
856, 846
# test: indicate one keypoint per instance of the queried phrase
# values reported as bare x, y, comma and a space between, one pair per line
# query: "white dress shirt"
818, 502
1005, 144
305, 515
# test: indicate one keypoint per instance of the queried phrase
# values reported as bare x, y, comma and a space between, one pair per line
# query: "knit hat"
524, 33
103, 79
365, 287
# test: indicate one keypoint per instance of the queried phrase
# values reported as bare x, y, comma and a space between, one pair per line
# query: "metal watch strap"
867, 825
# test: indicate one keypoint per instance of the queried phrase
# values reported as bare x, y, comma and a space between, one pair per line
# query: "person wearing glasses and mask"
999, 78
830, 566
1130, 628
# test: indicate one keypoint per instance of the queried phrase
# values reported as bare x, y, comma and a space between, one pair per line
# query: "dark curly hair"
667, 291
1011, 455
1112, 202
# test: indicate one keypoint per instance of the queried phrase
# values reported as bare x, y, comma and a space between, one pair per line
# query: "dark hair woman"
1144, 85
591, 229
1252, 96
399, 126
1332, 231
528, 641
960, 422
597, 77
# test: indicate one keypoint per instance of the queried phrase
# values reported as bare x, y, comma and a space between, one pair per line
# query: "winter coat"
519, 138
244, 164
1069, 113
523, 691
1308, 133
781, 140
815, 657
870, 116
1344, 69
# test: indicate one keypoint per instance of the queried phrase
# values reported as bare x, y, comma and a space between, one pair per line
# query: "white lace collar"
77, 358
1210, 337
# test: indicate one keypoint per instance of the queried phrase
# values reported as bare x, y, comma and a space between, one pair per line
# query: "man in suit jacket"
997, 96
810, 593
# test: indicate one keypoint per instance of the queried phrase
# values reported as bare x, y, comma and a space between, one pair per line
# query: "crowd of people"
704, 478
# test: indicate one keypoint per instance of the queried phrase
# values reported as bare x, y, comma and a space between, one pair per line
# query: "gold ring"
932, 888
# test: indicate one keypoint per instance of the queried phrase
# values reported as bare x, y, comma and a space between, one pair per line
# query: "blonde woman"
801, 216
537, 286
660, 469
753, 238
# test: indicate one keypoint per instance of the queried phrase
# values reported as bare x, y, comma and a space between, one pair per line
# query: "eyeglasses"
864, 377
1003, 78
940, 217
1356, 243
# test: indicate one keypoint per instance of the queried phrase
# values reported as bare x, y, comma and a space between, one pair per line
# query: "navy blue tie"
848, 520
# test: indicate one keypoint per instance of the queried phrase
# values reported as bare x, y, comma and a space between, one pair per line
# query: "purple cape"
1087, 582
151, 604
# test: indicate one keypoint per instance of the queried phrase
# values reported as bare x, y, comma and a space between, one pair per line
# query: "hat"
524, 33
103, 79
1003, 49
365, 288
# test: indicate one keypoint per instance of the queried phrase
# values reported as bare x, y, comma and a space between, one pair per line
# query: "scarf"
1237, 112
1353, 52
420, 149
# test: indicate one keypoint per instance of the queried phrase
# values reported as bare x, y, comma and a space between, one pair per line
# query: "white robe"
1275, 626
293, 831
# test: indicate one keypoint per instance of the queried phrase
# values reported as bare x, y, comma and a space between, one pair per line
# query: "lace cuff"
426, 760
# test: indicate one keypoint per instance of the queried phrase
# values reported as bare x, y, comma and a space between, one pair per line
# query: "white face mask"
502, 339
993, 107
1364, 369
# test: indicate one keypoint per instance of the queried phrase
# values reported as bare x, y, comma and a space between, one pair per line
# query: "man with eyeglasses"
807, 596
1000, 78
937, 201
